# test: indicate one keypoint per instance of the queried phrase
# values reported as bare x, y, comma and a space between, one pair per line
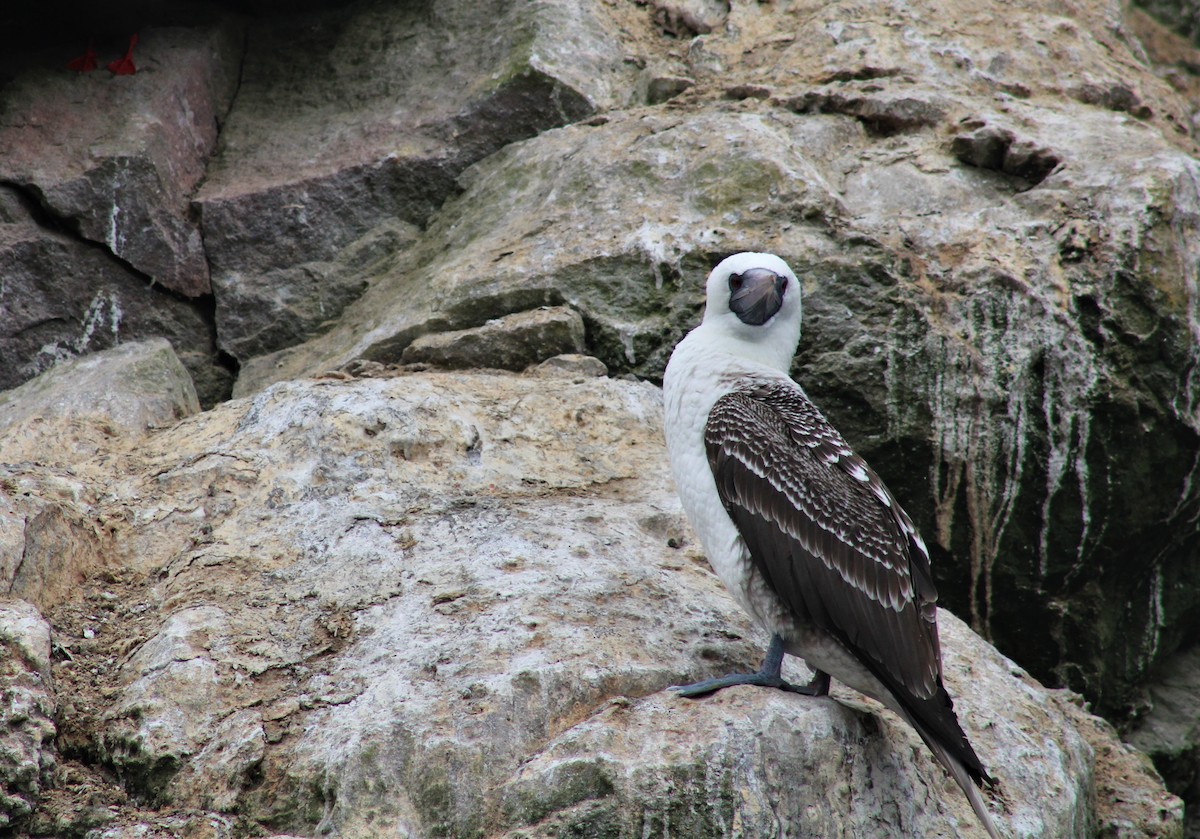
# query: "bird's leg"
767, 676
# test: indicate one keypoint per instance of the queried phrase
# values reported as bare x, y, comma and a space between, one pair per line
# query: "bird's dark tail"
934, 719
967, 777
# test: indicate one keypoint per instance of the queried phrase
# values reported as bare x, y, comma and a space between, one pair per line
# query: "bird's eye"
735, 282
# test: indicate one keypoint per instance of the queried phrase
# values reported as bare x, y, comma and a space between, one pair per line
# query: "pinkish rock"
118, 158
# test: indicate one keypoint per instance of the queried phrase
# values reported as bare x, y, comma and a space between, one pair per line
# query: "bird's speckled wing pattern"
832, 542
827, 541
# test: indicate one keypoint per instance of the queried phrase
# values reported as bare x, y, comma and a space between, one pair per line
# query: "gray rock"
729, 764
216, 777
169, 709
512, 342
27, 755
990, 146
387, 107
48, 540
686, 18
645, 196
995, 300
1181, 15
1122, 809
656, 87
81, 409
881, 113
572, 364
996, 223
125, 392
1168, 728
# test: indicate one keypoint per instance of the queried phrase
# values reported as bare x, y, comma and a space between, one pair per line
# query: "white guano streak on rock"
1155, 625
969, 448
1189, 410
116, 236
977, 449
113, 226
1068, 434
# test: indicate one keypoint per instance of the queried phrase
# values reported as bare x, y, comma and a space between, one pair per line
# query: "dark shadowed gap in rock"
223, 118
1180, 15
31, 200
860, 74
881, 116
223, 361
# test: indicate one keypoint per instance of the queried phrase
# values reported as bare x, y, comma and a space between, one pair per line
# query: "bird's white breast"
699, 373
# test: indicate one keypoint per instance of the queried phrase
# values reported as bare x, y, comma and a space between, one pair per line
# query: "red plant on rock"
85, 63
124, 66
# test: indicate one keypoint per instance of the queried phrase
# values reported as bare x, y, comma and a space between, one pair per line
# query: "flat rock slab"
512, 342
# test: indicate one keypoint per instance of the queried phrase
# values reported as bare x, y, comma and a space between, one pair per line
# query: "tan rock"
27, 755
479, 586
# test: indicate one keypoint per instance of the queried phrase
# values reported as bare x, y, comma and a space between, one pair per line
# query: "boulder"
1181, 15
117, 158
119, 393
1168, 725
449, 603
998, 251
62, 298
512, 342
631, 191
49, 541
994, 212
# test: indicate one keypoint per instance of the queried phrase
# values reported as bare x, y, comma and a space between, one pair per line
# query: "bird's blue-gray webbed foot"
769, 676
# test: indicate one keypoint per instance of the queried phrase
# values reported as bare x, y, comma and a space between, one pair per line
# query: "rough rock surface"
62, 298
392, 103
50, 540
632, 191
147, 136
126, 391
448, 604
999, 250
994, 207
1169, 727
1181, 15
27, 759
512, 342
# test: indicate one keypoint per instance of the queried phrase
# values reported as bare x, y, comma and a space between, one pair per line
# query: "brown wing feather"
826, 542
834, 544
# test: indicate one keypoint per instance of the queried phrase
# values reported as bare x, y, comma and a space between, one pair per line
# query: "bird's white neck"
773, 348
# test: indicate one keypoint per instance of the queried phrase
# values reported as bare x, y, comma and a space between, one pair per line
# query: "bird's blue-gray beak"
756, 295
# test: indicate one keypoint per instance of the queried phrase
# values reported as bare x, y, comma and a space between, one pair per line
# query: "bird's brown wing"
833, 543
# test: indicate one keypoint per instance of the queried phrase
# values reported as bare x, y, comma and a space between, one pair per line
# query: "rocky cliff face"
387, 599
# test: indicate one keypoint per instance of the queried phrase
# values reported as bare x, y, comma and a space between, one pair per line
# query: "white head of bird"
753, 309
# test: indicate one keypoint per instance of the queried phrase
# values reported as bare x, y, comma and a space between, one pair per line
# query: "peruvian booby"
799, 528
